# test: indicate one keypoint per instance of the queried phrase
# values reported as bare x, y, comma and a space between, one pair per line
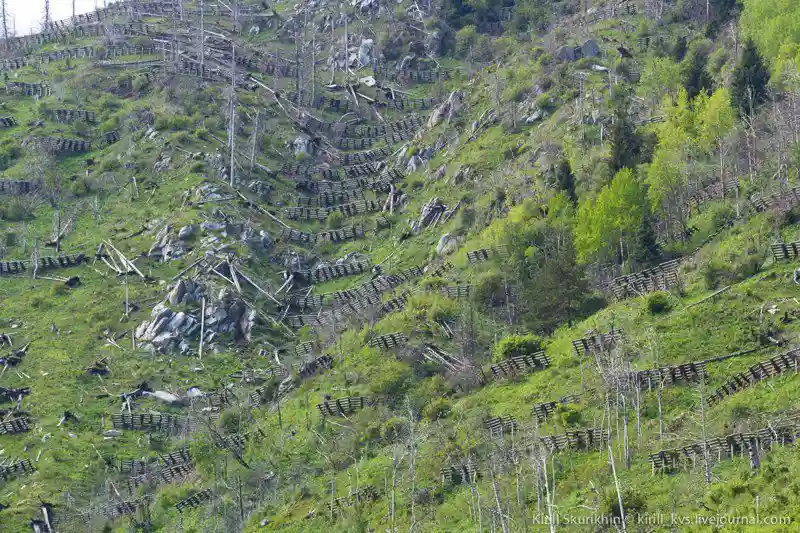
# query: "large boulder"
365, 52
406, 62
185, 232
303, 145
447, 245
414, 164
265, 240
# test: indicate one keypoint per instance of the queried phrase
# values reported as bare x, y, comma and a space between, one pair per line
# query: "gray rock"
302, 145
177, 294
212, 226
164, 396
185, 232
163, 164
183, 347
365, 52
163, 341
535, 116
447, 245
217, 315
414, 164
265, 240
178, 320
405, 63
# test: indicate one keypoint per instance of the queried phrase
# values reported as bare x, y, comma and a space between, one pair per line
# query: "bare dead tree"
4, 17
397, 459
202, 37
499, 511
232, 110
706, 457
412, 463
46, 19
255, 142
313, 59
614, 472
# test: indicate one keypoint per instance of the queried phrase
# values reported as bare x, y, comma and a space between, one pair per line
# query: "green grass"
309, 455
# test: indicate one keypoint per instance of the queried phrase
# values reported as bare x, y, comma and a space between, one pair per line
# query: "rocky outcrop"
170, 331
365, 52
167, 246
447, 245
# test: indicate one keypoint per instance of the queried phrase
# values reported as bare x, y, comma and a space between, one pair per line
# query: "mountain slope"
464, 267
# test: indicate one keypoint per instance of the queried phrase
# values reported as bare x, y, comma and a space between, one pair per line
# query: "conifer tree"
565, 180
750, 78
646, 249
626, 144
694, 74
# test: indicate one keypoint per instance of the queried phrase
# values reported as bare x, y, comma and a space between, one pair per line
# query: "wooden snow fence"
458, 474
543, 411
774, 366
482, 255
718, 448
659, 278
195, 500
342, 406
12, 267
785, 251
520, 364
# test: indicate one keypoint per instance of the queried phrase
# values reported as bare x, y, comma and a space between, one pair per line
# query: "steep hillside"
389, 266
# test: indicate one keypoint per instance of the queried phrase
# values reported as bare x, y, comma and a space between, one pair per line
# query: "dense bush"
393, 429
569, 416
436, 409
718, 272
488, 289
335, 220
658, 302
390, 380
722, 215
466, 219
15, 209
465, 39
9, 153
172, 122
109, 103
633, 502
110, 164
139, 83
515, 345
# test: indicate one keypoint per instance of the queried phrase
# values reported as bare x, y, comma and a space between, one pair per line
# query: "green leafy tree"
666, 175
750, 79
774, 25
714, 118
666, 180
660, 75
531, 15
465, 40
605, 223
